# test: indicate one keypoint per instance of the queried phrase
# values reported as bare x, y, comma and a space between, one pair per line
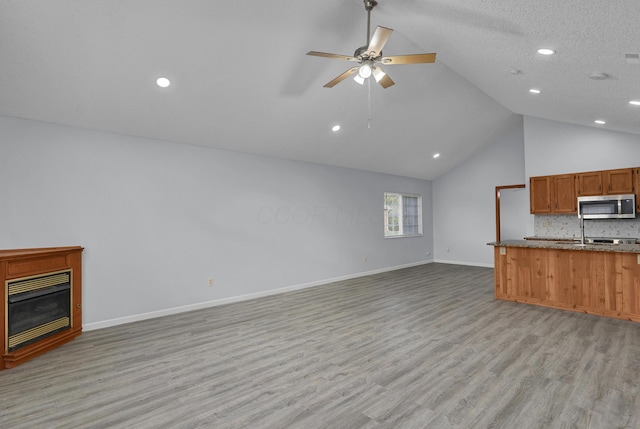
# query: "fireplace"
40, 301
37, 307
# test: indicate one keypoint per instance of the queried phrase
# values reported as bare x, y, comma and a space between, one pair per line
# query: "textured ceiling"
242, 81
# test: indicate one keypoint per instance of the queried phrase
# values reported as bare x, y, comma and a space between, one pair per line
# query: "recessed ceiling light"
546, 51
436, 155
163, 82
515, 71
534, 91
635, 102
600, 122
599, 76
335, 128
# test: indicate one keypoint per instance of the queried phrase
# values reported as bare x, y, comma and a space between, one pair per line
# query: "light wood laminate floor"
423, 347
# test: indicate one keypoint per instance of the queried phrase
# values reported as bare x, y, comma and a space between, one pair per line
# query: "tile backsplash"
568, 226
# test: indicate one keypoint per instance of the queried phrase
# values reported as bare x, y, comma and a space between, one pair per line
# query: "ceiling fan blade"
327, 55
409, 59
386, 81
379, 39
342, 77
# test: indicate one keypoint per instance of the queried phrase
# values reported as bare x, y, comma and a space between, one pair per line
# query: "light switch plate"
638, 258
503, 251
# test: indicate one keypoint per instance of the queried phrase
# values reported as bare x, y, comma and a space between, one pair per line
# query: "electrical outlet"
210, 281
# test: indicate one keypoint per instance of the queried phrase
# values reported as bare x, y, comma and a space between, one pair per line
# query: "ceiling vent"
632, 58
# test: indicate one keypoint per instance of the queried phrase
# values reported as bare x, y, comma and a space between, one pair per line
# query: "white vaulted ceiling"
241, 80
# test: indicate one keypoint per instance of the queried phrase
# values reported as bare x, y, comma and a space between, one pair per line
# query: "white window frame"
401, 224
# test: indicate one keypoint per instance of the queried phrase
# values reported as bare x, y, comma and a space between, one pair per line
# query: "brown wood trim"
498, 189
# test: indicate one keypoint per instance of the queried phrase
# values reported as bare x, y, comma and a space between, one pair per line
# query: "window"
402, 215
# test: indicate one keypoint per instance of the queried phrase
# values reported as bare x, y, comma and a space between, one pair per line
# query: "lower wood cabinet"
602, 283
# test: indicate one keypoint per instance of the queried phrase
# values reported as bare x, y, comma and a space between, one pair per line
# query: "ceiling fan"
370, 55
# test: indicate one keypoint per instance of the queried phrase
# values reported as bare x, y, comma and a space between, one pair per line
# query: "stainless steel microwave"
607, 207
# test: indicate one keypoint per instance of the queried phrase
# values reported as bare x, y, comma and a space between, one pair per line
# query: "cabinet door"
540, 194
637, 188
565, 194
619, 181
589, 183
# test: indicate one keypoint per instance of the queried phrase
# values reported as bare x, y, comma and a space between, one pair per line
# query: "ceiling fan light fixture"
365, 70
359, 79
378, 73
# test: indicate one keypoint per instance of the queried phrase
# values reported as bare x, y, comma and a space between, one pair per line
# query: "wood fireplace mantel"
20, 263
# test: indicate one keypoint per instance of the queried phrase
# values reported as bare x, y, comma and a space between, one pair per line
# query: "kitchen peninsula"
600, 279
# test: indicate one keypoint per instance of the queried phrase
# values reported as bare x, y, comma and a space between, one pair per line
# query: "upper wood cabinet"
558, 193
553, 194
618, 181
589, 183
636, 186
564, 190
540, 194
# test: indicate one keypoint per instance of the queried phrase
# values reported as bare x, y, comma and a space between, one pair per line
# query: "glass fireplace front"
37, 307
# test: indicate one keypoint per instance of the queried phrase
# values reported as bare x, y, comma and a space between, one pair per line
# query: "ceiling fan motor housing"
361, 53
370, 4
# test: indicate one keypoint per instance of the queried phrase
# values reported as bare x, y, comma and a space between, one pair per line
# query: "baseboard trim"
200, 305
470, 264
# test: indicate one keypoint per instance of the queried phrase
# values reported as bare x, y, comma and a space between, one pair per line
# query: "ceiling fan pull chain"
369, 101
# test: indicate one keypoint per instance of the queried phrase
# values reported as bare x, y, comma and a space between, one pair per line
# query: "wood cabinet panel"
636, 188
540, 194
564, 190
602, 283
500, 271
618, 181
630, 283
589, 183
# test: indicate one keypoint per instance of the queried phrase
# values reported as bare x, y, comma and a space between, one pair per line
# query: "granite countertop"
567, 244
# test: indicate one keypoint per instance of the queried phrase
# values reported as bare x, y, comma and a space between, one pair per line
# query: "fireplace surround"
41, 301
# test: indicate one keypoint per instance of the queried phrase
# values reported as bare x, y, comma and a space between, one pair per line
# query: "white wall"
514, 211
158, 218
555, 148
464, 198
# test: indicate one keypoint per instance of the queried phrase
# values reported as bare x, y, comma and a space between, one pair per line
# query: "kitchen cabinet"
618, 181
637, 188
552, 194
603, 283
564, 194
540, 194
558, 193
589, 183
